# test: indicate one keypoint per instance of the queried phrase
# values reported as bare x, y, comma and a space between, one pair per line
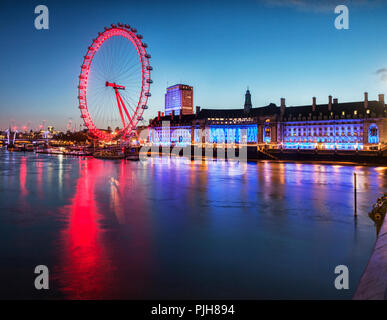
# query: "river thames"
171, 228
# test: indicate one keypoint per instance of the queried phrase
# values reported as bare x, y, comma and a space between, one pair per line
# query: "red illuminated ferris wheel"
114, 83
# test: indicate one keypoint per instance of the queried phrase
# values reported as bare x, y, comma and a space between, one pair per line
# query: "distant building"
360, 125
179, 99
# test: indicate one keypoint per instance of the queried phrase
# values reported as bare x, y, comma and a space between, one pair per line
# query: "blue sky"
279, 48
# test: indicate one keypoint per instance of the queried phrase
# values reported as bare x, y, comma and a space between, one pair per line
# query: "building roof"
179, 85
237, 113
182, 119
377, 109
292, 113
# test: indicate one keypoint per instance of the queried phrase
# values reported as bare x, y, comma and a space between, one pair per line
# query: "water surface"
169, 228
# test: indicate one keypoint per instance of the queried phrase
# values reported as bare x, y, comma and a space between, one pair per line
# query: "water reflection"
172, 228
98, 255
23, 175
39, 175
83, 263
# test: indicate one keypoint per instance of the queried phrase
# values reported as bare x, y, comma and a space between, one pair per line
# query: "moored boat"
109, 154
132, 154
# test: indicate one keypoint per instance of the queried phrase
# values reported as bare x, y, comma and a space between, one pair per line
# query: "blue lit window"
373, 134
233, 134
267, 133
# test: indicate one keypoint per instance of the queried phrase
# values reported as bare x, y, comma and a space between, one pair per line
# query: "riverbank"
254, 153
373, 283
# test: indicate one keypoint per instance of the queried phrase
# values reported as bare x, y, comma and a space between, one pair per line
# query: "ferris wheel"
114, 83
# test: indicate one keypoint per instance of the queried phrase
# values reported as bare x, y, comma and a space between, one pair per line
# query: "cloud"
382, 73
316, 5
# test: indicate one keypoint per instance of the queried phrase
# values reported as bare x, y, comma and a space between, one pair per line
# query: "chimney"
330, 103
335, 101
197, 109
283, 105
365, 100
314, 104
381, 99
158, 115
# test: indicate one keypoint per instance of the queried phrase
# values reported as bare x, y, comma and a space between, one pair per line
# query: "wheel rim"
95, 100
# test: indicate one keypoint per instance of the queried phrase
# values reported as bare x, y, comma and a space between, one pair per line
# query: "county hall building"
360, 125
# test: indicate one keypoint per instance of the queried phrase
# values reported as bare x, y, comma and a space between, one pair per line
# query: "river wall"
373, 283
254, 153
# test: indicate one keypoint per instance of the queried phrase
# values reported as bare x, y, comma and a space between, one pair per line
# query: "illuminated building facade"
332, 126
179, 100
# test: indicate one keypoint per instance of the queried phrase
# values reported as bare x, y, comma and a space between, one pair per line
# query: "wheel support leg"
119, 107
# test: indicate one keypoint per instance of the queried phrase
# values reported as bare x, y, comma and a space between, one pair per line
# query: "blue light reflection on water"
170, 228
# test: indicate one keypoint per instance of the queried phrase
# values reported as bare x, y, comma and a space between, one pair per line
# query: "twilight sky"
278, 48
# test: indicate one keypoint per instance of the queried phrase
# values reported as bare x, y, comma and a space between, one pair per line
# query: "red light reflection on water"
22, 177
99, 260
39, 175
85, 266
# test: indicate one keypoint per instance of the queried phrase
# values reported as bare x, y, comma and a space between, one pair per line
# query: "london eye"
114, 83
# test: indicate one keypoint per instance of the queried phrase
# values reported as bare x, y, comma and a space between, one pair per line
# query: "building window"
373, 134
266, 133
